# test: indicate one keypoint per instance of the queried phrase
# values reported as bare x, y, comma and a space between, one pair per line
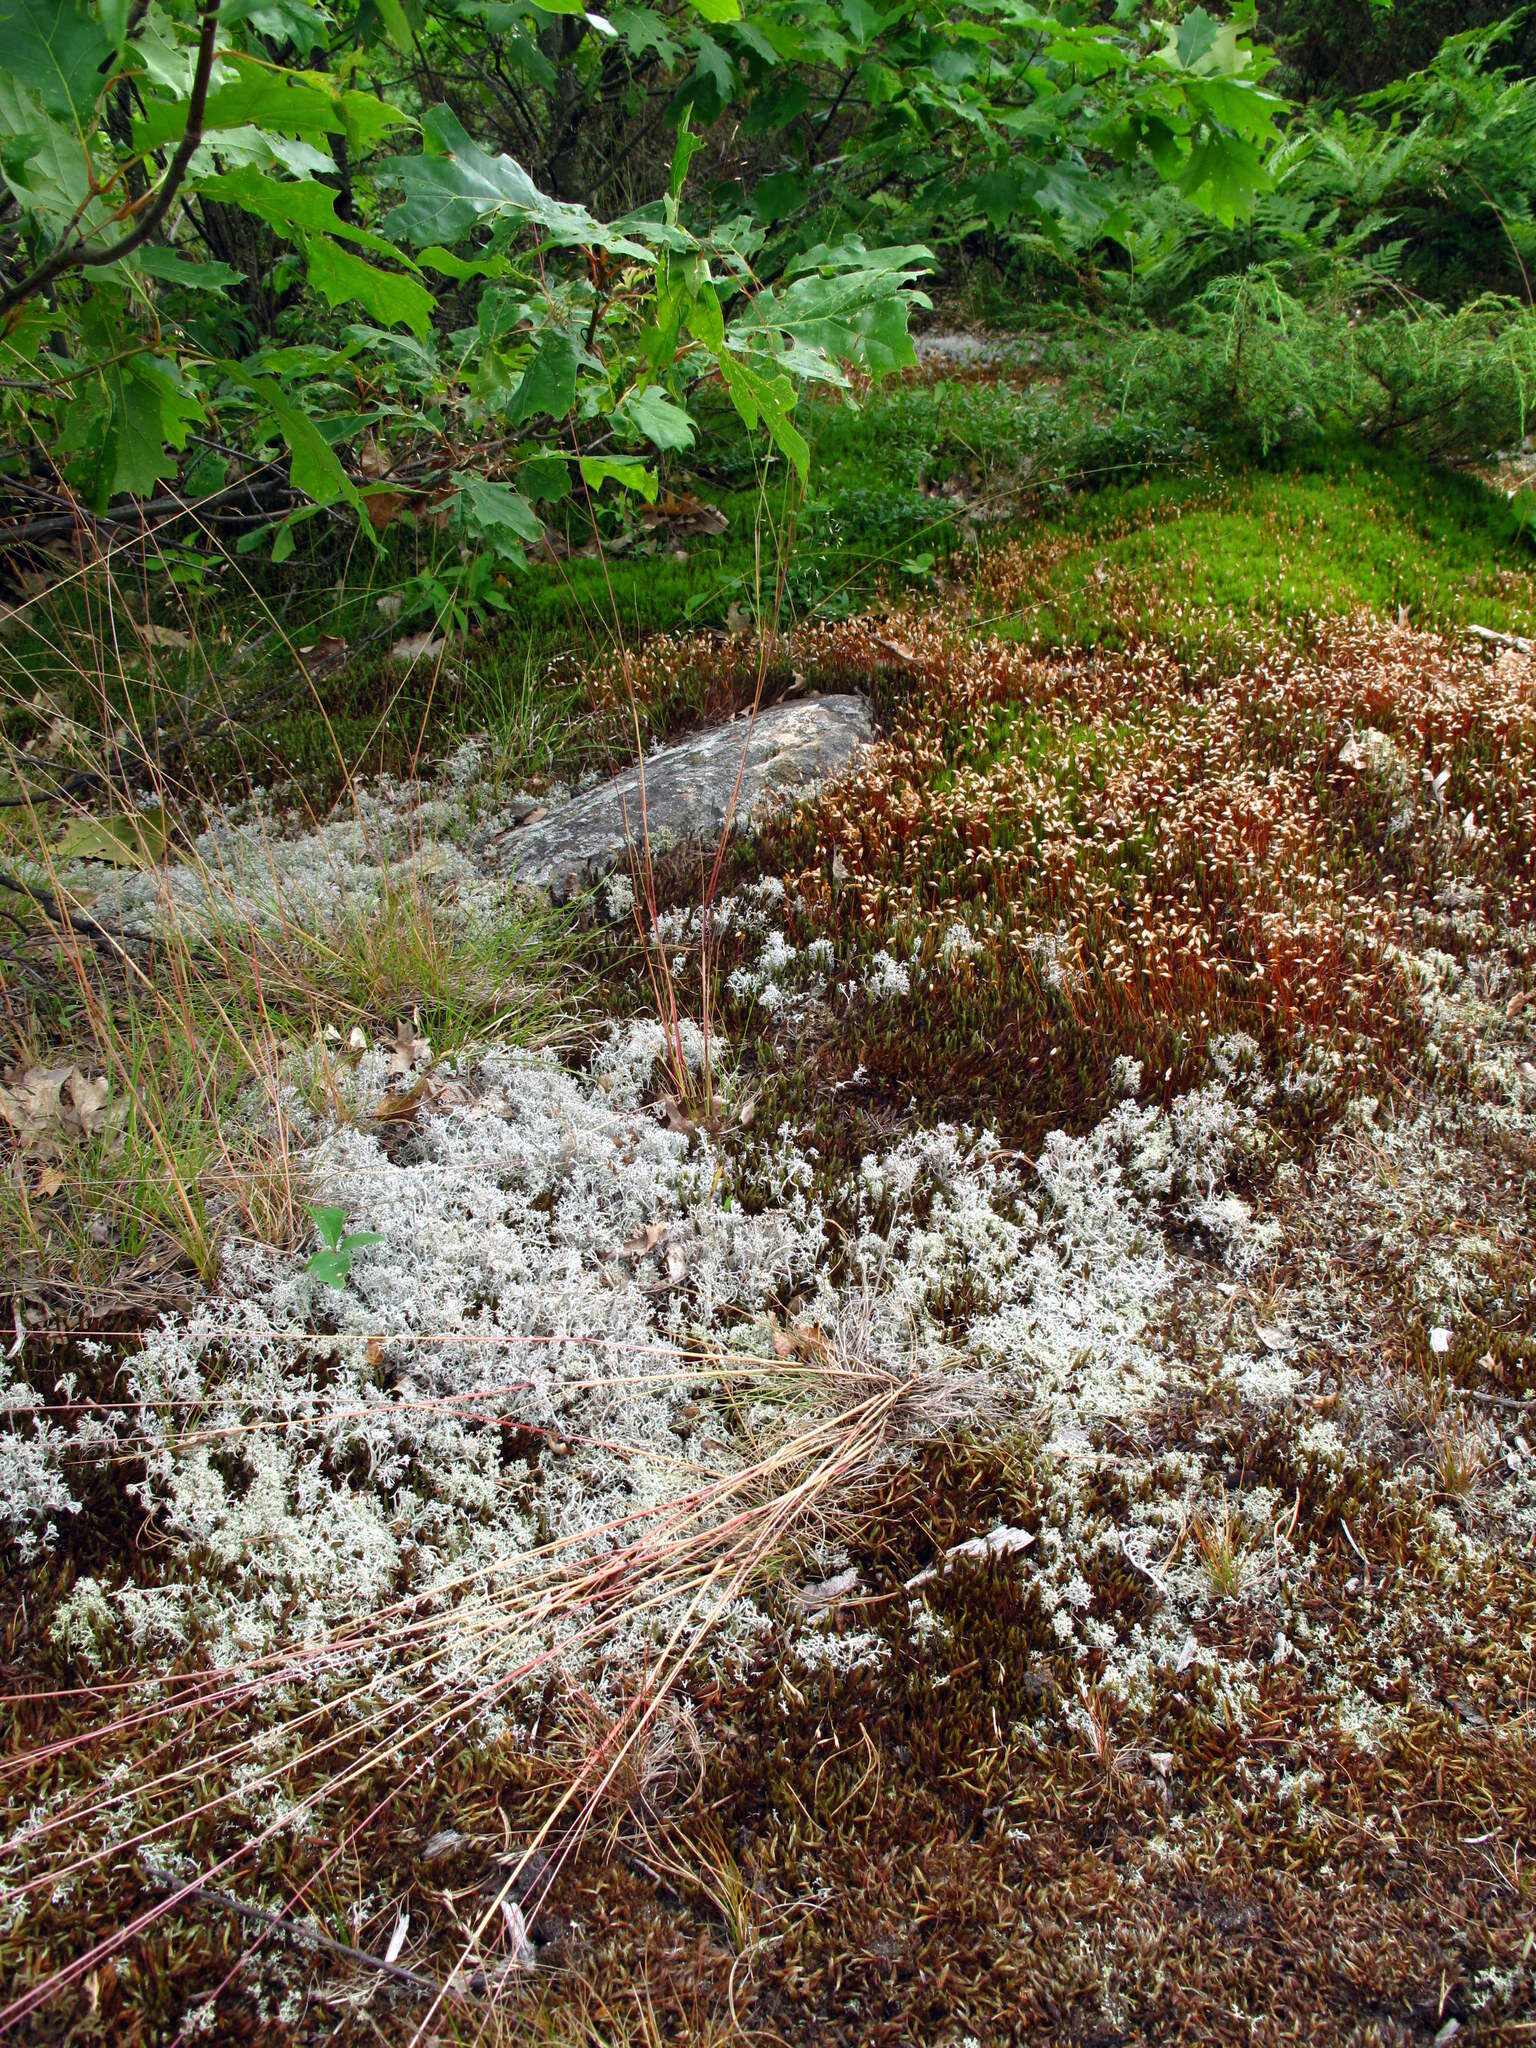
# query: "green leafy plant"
218, 264
260, 265
333, 1264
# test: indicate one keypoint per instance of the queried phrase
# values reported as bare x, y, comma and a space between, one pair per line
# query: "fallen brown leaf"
897, 652
428, 1093
411, 1050
677, 1118
89, 1097
46, 1099
162, 636
682, 514
34, 1100
827, 1594
796, 1342
647, 1241
384, 508
399, 1109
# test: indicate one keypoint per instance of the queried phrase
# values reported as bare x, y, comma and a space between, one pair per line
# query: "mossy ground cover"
1321, 535
1148, 1020
282, 678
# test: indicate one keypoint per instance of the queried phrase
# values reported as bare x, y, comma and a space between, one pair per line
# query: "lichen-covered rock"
793, 748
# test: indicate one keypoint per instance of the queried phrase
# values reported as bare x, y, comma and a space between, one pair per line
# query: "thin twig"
311, 1937
62, 918
177, 743
1491, 637
77, 255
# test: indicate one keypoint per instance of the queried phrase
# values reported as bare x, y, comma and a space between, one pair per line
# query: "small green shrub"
333, 1264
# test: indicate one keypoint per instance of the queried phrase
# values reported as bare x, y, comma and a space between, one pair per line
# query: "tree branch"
78, 255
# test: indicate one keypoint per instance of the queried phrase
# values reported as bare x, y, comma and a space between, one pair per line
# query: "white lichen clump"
530, 1359
550, 1250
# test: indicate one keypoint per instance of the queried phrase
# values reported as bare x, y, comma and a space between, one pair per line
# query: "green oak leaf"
342, 277
306, 104
545, 478
59, 50
627, 473
548, 385
769, 396
330, 1222
313, 467
456, 186
660, 419
497, 513
1223, 175
292, 206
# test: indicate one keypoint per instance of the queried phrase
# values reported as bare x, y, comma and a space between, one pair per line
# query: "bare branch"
78, 255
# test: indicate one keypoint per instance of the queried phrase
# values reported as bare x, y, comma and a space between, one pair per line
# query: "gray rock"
967, 351
960, 350
794, 748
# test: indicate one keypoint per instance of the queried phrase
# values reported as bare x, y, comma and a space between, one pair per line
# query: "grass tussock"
195, 978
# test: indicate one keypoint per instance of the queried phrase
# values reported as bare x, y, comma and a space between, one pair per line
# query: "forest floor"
985, 1495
